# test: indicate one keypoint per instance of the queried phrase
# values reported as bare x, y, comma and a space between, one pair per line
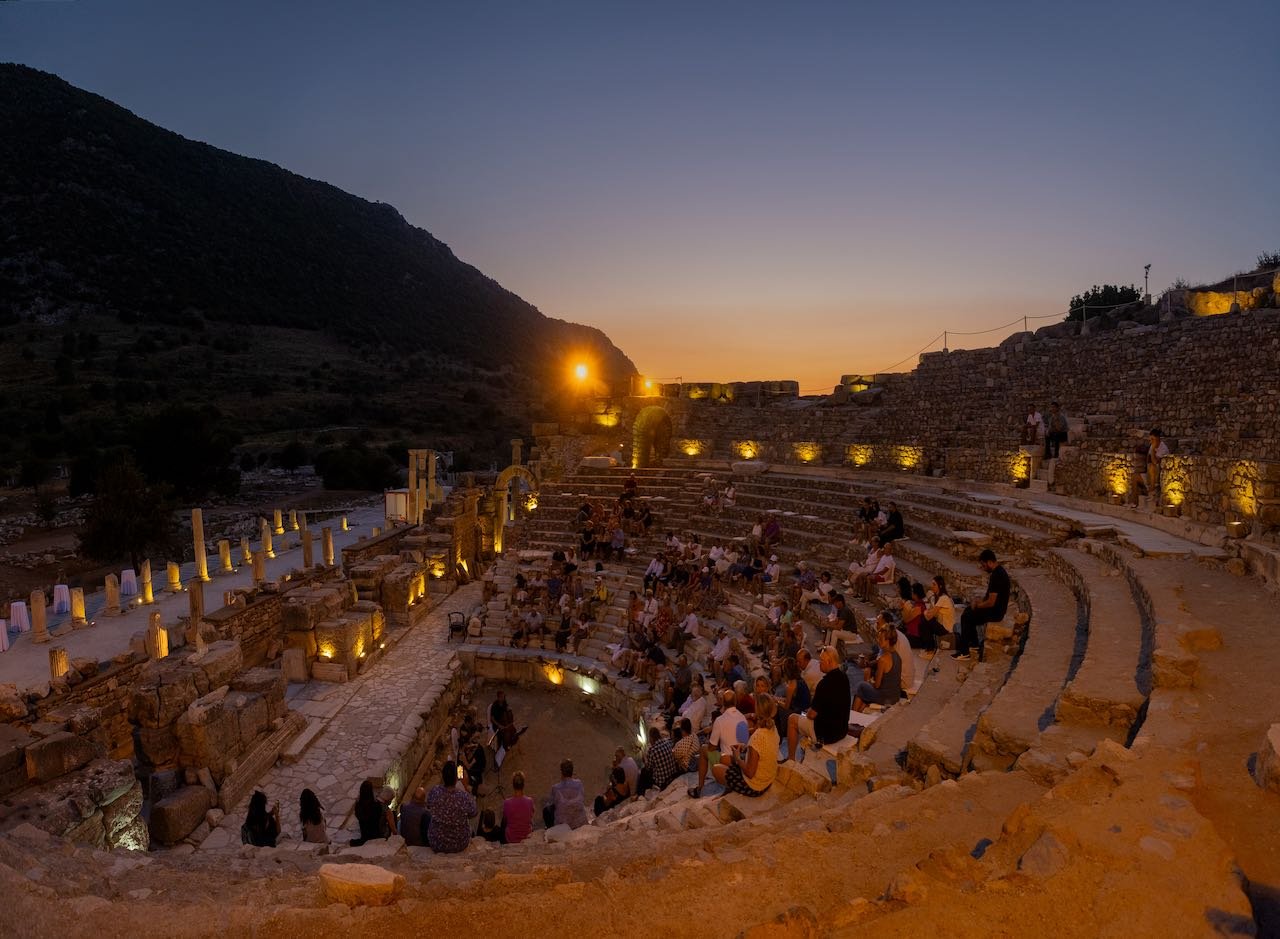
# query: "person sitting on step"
827, 720
882, 680
989, 608
727, 730
566, 805
615, 793
750, 768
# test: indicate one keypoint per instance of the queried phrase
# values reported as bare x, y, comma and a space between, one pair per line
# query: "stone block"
59, 754
208, 736
360, 884
156, 746
251, 716
221, 662
177, 815
13, 744
305, 642
802, 778
1174, 668
268, 682
329, 671
295, 666
120, 813
346, 639
1266, 767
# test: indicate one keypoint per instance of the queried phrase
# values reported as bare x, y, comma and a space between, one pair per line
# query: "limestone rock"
376, 850
1266, 768
907, 887
1045, 857
59, 754
12, 705
177, 815
802, 778
360, 884
798, 922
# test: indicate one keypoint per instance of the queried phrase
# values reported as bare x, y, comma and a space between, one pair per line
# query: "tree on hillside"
356, 467
128, 518
292, 455
189, 449
35, 473
1268, 261
1099, 300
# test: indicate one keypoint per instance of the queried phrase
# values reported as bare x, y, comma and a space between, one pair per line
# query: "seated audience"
749, 769
882, 683
450, 806
261, 828
615, 793
827, 719
517, 812
413, 818
311, 818
372, 815
567, 803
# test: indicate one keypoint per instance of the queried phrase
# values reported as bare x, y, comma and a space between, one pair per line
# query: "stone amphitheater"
1109, 768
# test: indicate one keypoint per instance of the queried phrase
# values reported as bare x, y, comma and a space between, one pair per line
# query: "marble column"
195, 599
144, 578
302, 521
278, 522
345, 525
517, 446
411, 510
157, 638
197, 542
224, 556
376, 531
308, 553
113, 596
246, 551
293, 519
78, 619
267, 548
326, 545
259, 568
173, 574
59, 662
39, 621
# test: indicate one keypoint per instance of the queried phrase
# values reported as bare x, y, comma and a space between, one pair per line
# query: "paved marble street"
359, 729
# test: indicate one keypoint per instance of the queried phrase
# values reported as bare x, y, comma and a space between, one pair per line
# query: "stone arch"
502, 500
650, 437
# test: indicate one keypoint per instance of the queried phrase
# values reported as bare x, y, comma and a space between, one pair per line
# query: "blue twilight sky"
740, 190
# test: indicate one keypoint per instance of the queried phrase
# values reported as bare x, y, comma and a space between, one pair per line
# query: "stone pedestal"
195, 598
302, 521
39, 622
277, 522
246, 551
59, 662
157, 639
224, 557
173, 574
293, 519
326, 545
267, 548
376, 531
113, 596
146, 587
308, 554
78, 619
259, 569
197, 543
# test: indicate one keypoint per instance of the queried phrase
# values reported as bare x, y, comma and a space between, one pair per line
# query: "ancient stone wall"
1211, 383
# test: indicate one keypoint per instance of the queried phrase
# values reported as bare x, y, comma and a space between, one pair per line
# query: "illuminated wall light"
554, 673
908, 457
806, 451
1020, 466
692, 447
1242, 485
859, 454
747, 449
327, 651
1117, 476
608, 419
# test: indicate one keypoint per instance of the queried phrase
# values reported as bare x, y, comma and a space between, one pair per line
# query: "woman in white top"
939, 610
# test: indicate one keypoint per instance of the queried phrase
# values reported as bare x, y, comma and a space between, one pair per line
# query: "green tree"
128, 517
1098, 300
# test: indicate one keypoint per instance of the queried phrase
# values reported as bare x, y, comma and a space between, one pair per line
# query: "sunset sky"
737, 190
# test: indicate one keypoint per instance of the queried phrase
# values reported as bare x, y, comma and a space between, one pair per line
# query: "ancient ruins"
1111, 764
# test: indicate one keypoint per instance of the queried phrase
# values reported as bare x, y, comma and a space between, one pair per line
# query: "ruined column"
173, 573
517, 446
293, 519
59, 662
278, 526
113, 595
224, 556
148, 589
259, 569
267, 548
326, 545
433, 487
411, 509
39, 623
308, 553
246, 552
500, 521
197, 540
376, 531
157, 639
345, 525
78, 619
195, 588
302, 520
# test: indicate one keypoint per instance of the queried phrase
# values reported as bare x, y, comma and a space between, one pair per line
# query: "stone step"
943, 740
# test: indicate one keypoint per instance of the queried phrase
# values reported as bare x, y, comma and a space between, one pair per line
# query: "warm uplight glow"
1020, 466
327, 651
859, 453
908, 458
692, 447
806, 451
1117, 475
1243, 487
747, 449
531, 501
554, 673
607, 419
580, 371
648, 385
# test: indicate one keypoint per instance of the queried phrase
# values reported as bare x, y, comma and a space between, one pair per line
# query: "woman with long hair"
261, 828
311, 817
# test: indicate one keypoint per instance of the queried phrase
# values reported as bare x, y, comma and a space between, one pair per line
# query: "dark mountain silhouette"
109, 220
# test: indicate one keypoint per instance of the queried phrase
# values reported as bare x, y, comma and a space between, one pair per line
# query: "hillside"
140, 269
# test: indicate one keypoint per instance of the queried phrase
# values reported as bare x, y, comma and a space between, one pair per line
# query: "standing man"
1055, 432
990, 608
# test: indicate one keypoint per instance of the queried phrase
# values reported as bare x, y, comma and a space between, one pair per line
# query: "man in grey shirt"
567, 804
